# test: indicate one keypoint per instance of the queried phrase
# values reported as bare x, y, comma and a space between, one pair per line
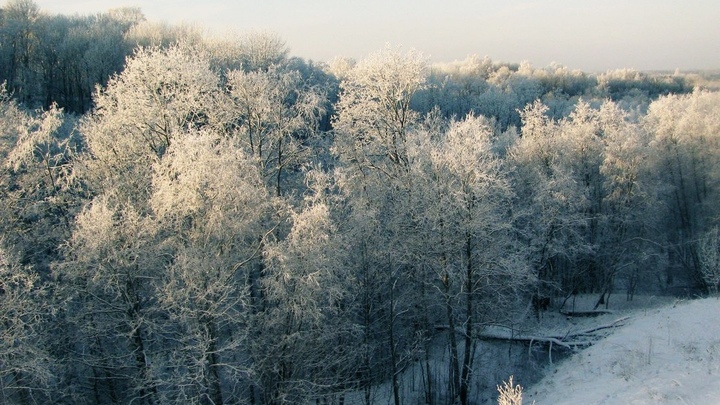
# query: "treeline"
46, 59
502, 90
226, 224
57, 58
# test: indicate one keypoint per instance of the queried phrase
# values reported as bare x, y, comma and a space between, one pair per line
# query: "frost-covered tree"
259, 50
630, 205
580, 153
608, 157
685, 144
19, 56
586, 182
109, 278
119, 258
59, 59
27, 372
209, 201
709, 257
274, 114
372, 124
427, 212
340, 67
161, 94
37, 194
373, 262
482, 270
39, 200
374, 112
509, 393
548, 209
305, 349
152, 34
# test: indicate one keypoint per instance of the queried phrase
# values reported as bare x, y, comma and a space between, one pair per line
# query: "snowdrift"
668, 355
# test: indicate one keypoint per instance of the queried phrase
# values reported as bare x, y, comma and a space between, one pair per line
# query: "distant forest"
189, 219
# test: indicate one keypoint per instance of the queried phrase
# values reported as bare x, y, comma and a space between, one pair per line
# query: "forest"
189, 219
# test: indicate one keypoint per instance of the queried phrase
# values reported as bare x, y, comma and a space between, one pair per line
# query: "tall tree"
548, 210
580, 153
209, 202
109, 278
20, 42
305, 330
117, 264
372, 124
685, 144
27, 372
275, 115
631, 206
37, 192
160, 95
482, 269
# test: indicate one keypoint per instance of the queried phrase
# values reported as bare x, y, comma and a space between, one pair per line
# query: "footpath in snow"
667, 355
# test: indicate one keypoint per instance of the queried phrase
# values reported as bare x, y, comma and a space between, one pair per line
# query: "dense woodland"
199, 220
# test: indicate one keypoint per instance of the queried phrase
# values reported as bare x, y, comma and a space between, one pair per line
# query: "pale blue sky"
592, 35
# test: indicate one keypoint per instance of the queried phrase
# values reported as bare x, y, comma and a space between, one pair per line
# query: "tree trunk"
468, 352
393, 347
454, 369
366, 376
429, 394
213, 363
147, 395
141, 362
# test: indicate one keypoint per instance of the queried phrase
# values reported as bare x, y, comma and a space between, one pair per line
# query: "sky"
590, 35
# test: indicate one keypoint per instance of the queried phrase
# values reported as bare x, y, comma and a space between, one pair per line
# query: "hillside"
667, 355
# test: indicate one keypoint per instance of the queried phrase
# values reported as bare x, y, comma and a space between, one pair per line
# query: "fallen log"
590, 313
613, 324
569, 341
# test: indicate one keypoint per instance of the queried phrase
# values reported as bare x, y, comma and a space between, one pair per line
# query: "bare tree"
209, 201
27, 366
159, 96
709, 256
482, 269
684, 131
372, 124
275, 115
259, 50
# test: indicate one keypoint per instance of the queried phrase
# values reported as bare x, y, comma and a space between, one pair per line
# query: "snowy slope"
668, 355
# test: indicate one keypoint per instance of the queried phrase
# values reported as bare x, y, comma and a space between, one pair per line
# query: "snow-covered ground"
663, 355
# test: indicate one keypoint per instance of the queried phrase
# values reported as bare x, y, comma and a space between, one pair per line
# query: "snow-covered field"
664, 355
